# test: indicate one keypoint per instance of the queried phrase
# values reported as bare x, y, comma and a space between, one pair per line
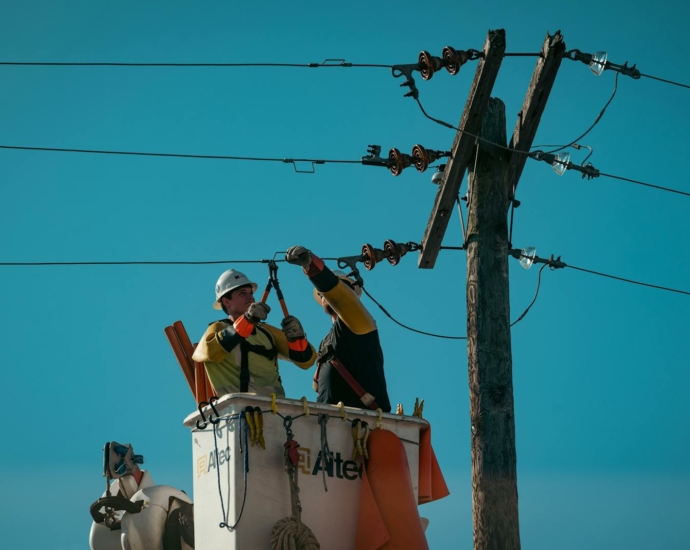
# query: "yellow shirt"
223, 367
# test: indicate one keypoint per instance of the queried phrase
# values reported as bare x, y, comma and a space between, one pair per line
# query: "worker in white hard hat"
350, 359
241, 352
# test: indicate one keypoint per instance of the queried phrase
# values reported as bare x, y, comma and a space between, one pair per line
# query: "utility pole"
489, 356
494, 170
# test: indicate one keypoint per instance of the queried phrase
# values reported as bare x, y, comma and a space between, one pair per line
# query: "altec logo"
333, 465
204, 464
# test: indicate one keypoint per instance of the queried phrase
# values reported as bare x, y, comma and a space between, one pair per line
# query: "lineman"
241, 353
350, 359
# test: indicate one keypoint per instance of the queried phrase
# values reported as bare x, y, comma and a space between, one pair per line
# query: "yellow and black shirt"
354, 339
224, 353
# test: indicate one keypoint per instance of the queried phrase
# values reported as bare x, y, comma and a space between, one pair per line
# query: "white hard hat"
228, 281
347, 280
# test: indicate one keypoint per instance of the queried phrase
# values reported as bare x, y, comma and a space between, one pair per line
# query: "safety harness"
246, 348
329, 356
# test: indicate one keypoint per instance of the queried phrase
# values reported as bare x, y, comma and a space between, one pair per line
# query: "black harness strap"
245, 349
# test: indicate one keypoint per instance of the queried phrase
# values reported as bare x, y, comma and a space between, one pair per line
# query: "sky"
600, 366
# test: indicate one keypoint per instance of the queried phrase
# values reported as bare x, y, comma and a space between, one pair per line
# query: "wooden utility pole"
494, 171
489, 356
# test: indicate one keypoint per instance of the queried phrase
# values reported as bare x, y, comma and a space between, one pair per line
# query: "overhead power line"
36, 264
292, 161
666, 81
596, 120
668, 189
325, 63
146, 262
629, 280
185, 155
557, 263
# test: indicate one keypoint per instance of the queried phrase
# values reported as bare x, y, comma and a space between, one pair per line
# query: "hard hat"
228, 281
347, 280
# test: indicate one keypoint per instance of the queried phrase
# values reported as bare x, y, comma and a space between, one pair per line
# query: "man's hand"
292, 328
298, 255
258, 311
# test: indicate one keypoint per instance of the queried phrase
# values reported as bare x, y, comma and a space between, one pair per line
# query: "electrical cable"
284, 160
205, 262
447, 125
561, 264
410, 328
596, 121
668, 189
520, 318
533, 299
177, 155
136, 263
325, 63
664, 80
628, 280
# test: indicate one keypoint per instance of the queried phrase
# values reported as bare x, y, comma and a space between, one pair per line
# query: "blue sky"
600, 367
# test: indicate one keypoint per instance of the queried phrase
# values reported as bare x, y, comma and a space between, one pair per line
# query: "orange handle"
182, 359
200, 377
284, 308
183, 338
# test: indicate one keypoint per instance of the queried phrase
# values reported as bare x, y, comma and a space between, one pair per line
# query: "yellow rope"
291, 534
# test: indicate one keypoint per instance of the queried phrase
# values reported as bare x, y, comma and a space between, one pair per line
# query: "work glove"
298, 255
258, 311
292, 328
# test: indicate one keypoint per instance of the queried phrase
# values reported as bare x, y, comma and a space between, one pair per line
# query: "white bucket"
331, 515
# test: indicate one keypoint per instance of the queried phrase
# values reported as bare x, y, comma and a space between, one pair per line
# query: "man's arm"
221, 338
299, 352
340, 297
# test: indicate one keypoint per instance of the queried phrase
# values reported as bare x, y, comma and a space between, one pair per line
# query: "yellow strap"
252, 428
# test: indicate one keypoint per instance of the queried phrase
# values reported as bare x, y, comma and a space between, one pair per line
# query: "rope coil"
290, 533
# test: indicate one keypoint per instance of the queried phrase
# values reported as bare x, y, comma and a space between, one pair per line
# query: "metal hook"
211, 401
203, 417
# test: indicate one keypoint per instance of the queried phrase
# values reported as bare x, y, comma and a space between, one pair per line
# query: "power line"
325, 63
668, 189
596, 121
410, 328
173, 262
559, 264
520, 318
283, 160
536, 293
628, 280
312, 65
179, 155
450, 126
664, 80
33, 264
